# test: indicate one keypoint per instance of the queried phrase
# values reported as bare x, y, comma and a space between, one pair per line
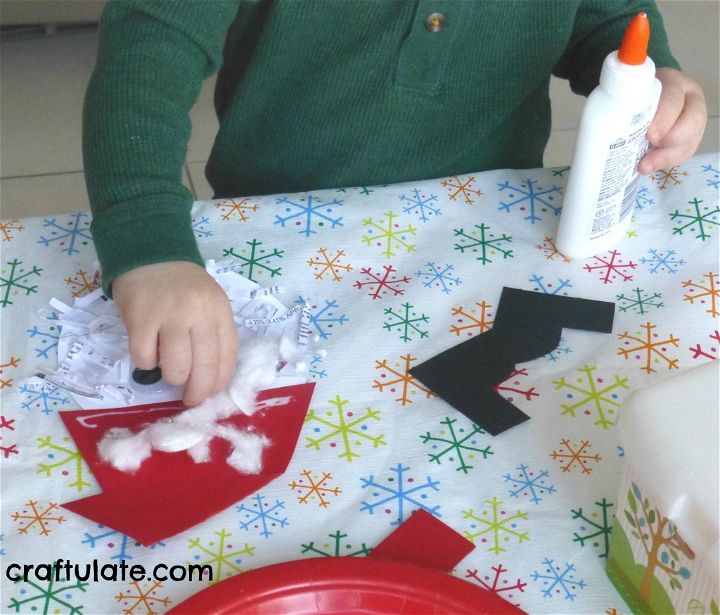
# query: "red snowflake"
611, 267
495, 584
708, 353
382, 283
11, 449
512, 385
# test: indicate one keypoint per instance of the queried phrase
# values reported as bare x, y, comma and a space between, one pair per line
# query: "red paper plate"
344, 585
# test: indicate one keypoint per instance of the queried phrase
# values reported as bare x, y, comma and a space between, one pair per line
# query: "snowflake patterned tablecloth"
395, 274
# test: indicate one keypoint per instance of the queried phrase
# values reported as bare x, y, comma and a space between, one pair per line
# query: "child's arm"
152, 59
177, 315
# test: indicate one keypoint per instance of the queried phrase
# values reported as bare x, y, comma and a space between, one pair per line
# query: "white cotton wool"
257, 369
247, 448
124, 449
193, 429
171, 436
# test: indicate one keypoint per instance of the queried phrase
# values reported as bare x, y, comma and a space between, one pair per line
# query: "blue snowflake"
262, 515
554, 355
2, 537
326, 318
399, 490
120, 545
75, 231
314, 368
421, 204
530, 483
530, 198
642, 199
198, 227
715, 182
548, 288
306, 211
43, 397
659, 262
46, 340
557, 580
438, 277
257, 261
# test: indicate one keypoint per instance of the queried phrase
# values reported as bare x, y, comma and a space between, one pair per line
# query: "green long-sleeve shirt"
323, 93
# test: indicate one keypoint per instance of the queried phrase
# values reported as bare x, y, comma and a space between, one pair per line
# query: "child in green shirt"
319, 94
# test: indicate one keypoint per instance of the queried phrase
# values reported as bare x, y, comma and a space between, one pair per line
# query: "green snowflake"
335, 548
603, 399
495, 525
71, 458
224, 560
343, 424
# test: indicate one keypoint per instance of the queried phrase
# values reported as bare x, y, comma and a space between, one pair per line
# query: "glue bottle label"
620, 177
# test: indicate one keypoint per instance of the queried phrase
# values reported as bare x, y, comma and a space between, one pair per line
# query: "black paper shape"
527, 325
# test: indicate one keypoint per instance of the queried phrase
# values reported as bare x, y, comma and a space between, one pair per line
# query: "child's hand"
178, 316
679, 122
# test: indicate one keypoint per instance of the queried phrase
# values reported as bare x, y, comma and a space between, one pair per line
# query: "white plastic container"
600, 194
664, 549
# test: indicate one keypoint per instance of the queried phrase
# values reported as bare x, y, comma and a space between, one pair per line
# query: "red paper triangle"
426, 541
171, 493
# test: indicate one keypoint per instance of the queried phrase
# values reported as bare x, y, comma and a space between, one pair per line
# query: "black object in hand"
147, 376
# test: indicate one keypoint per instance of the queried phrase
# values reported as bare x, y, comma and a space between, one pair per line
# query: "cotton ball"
123, 449
288, 349
256, 371
247, 448
200, 452
207, 412
172, 436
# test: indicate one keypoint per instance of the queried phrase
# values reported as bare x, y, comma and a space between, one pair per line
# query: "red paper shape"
426, 541
405, 574
171, 493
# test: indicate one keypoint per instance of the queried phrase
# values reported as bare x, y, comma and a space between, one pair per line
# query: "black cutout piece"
147, 376
527, 325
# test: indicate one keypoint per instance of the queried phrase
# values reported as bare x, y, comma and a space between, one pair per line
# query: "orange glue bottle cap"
635, 42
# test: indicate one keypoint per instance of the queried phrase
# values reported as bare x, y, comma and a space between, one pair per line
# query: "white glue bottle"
600, 193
